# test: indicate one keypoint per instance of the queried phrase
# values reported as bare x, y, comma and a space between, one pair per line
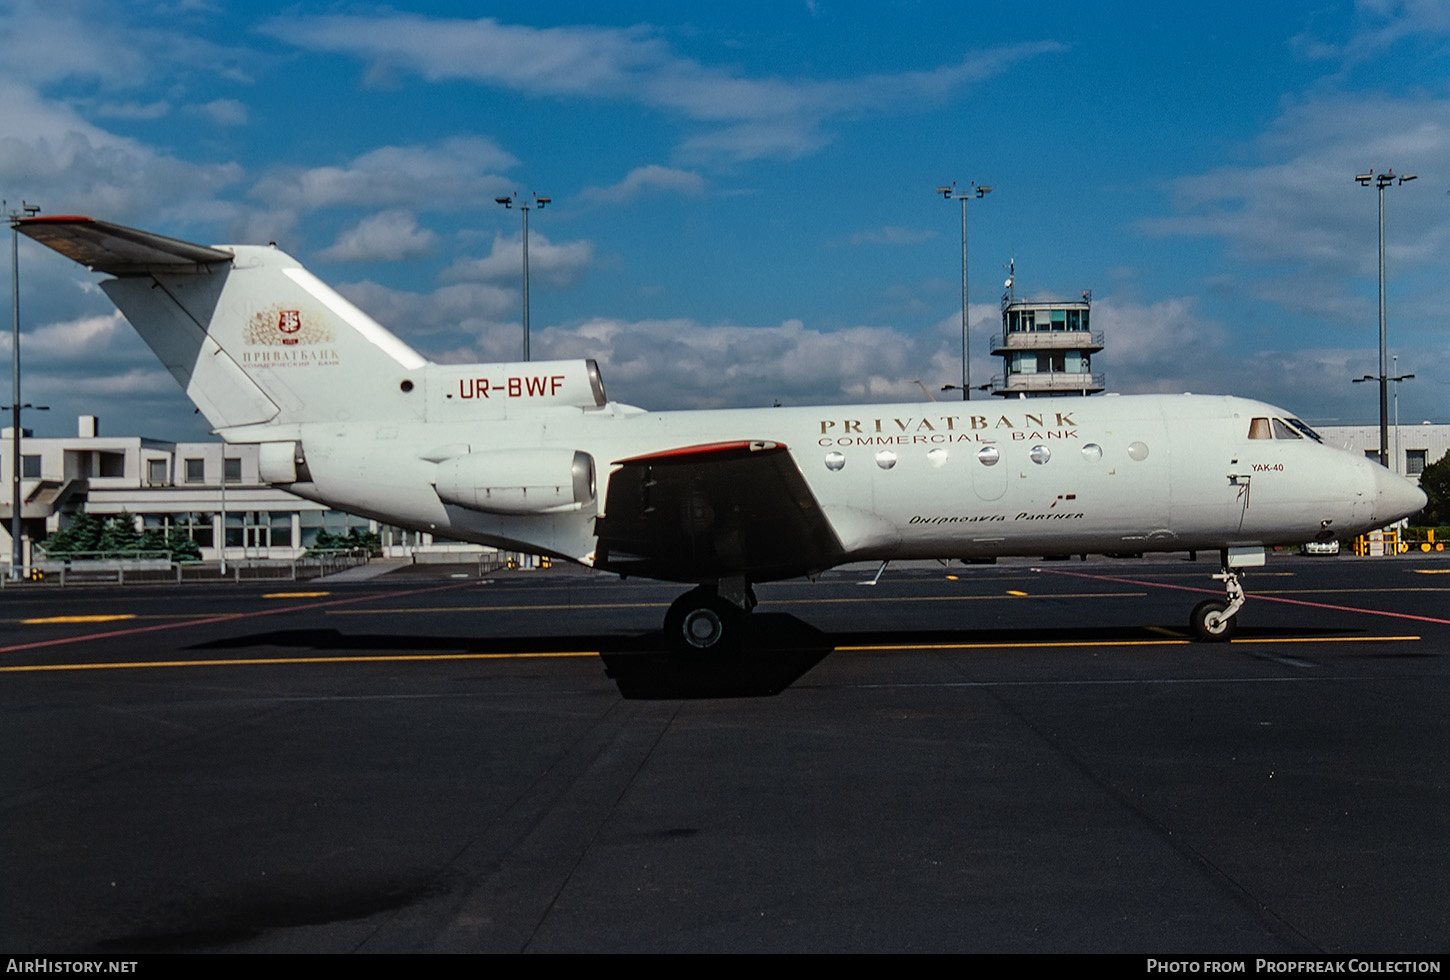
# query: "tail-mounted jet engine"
518, 481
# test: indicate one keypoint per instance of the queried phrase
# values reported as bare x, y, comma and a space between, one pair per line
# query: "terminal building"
1412, 447
1046, 348
210, 490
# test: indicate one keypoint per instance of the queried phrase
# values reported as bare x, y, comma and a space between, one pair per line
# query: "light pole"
1399, 456
951, 194
525, 207
25, 211
1381, 181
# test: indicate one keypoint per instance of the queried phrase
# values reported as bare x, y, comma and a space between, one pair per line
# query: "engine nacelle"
518, 481
282, 462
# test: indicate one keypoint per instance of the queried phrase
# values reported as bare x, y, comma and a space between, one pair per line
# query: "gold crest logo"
281, 327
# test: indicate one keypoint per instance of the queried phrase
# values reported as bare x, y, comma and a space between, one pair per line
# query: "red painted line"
706, 449
203, 621
1256, 598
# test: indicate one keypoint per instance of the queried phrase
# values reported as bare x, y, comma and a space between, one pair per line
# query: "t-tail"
257, 340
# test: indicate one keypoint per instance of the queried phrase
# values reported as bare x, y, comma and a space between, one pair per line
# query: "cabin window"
1092, 451
886, 459
937, 457
1259, 429
988, 455
834, 461
1138, 451
1039, 454
1282, 431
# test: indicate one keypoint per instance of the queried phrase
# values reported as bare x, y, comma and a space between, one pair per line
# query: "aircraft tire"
700, 621
1209, 624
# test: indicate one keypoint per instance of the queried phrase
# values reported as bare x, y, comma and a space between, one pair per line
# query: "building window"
196, 471
232, 469
30, 467
1415, 461
156, 472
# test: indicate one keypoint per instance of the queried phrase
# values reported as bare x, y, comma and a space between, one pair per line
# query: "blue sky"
743, 194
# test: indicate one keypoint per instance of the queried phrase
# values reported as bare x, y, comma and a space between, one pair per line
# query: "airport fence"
149, 569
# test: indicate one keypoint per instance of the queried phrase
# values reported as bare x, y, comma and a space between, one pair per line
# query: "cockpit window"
1259, 429
1306, 430
1282, 431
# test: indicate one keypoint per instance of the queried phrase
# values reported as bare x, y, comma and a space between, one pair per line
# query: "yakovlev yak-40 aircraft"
532, 457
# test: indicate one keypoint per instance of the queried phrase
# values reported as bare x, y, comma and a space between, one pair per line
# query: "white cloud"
751, 117
73, 339
1376, 26
559, 265
641, 180
224, 112
387, 236
891, 235
49, 41
69, 164
421, 177
455, 313
133, 110
680, 363
1165, 346
1302, 209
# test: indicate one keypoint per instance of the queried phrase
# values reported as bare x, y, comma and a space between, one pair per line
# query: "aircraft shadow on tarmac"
774, 652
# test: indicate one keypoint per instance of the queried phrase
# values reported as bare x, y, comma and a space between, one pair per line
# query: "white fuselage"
924, 480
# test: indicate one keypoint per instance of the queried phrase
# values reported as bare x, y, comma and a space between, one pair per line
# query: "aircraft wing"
116, 249
703, 512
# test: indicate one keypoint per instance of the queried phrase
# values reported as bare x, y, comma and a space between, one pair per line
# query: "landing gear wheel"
1209, 622
700, 620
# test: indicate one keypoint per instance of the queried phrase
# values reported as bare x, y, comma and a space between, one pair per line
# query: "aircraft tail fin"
251, 335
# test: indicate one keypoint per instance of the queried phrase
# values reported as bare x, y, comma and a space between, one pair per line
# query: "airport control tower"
1046, 347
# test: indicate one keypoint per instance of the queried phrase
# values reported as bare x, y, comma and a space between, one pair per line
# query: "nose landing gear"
1216, 620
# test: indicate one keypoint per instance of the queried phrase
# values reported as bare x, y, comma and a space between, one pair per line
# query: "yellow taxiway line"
265, 661
574, 654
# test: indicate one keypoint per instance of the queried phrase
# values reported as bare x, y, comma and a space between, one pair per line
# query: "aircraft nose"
1394, 497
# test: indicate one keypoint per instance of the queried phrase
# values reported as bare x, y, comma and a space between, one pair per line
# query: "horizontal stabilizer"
118, 250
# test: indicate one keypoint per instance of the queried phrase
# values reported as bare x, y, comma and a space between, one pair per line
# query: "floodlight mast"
1381, 181
525, 207
951, 194
14, 216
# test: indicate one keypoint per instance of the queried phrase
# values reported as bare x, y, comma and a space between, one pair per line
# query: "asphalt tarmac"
1026, 757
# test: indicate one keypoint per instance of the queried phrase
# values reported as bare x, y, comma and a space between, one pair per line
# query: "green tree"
1435, 481
175, 542
83, 533
119, 536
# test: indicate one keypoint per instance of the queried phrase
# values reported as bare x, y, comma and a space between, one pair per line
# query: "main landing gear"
709, 618
1216, 620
